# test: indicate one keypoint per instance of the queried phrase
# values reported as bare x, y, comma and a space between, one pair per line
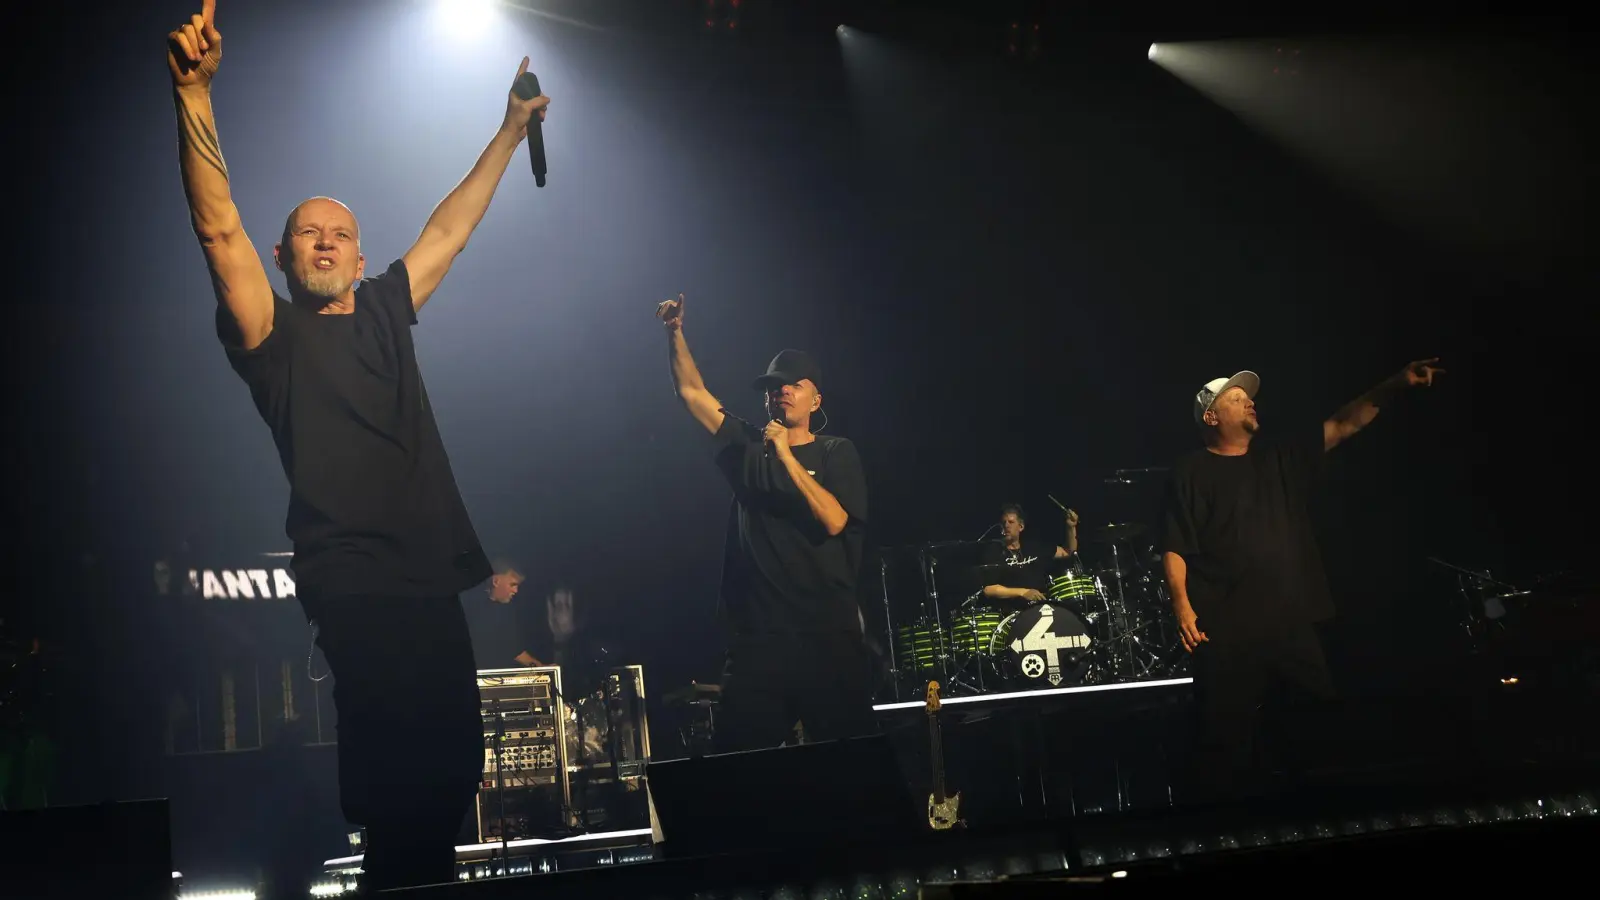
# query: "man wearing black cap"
795, 537
1244, 570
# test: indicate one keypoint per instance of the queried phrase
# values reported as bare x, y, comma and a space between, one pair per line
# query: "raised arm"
194, 50
1072, 536
686, 381
1359, 413
458, 214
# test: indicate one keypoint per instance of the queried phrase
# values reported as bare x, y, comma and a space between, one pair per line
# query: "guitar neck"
936, 755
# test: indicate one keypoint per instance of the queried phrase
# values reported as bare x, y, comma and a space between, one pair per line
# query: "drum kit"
1097, 624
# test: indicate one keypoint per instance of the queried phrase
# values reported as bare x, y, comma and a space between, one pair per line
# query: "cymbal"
694, 692
1121, 531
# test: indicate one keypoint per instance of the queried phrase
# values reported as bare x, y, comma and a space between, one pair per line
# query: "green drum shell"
971, 634
1072, 587
917, 648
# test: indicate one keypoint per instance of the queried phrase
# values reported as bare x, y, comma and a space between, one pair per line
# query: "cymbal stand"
930, 585
1119, 615
974, 658
888, 625
1482, 613
952, 671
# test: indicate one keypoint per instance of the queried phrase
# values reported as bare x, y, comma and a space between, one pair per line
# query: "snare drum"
1042, 646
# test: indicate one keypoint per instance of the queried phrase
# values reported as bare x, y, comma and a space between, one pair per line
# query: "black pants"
770, 682
1235, 678
410, 735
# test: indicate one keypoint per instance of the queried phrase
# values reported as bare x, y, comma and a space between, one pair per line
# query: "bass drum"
1044, 646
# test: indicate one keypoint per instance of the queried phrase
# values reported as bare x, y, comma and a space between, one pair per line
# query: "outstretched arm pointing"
194, 50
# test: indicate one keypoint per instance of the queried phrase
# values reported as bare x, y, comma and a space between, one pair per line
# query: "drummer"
1029, 562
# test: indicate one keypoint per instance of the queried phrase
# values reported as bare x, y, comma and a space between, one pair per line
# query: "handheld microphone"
527, 87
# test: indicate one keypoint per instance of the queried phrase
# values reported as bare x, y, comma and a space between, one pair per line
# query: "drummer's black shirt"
782, 573
1243, 527
1030, 563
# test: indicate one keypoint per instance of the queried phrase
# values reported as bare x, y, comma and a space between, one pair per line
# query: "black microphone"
527, 87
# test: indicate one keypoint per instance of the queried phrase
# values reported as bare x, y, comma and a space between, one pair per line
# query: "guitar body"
944, 814
944, 810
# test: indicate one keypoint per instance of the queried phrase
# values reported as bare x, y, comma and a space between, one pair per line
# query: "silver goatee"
327, 285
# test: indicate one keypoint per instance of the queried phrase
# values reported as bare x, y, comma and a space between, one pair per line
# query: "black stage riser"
120, 850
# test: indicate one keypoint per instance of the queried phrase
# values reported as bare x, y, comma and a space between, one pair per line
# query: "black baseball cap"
789, 367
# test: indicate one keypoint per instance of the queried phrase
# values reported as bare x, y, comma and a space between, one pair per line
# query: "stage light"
465, 18
1152, 53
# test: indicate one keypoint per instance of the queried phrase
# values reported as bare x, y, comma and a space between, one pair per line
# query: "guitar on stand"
943, 811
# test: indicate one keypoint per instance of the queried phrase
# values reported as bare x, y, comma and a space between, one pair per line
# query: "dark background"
1015, 272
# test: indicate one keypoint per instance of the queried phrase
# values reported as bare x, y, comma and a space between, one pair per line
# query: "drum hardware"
969, 637
1484, 609
1135, 655
888, 625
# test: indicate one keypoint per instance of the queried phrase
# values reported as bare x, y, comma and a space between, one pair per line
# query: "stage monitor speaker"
832, 793
121, 850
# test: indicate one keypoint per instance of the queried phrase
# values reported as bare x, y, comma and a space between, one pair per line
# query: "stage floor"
1076, 781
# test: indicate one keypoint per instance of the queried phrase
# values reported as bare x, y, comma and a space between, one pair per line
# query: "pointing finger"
522, 68
208, 11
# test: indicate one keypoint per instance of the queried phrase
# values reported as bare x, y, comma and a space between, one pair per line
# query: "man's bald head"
320, 252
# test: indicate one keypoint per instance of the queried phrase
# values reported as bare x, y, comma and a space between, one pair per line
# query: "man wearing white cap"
1243, 567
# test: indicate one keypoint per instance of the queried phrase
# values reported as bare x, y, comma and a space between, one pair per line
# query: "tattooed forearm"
198, 138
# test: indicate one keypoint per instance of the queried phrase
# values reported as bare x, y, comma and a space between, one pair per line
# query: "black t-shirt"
500, 631
1029, 566
782, 572
373, 505
1243, 527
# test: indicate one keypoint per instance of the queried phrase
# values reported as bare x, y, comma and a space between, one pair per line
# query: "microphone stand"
888, 623
500, 786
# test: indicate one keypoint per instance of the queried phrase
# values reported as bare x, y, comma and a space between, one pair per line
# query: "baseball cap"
788, 367
1208, 394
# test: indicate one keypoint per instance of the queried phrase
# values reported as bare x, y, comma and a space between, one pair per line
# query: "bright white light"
1152, 51
243, 894
465, 19
1119, 873
840, 30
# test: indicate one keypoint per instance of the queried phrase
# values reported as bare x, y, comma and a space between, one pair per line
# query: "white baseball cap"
1207, 395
